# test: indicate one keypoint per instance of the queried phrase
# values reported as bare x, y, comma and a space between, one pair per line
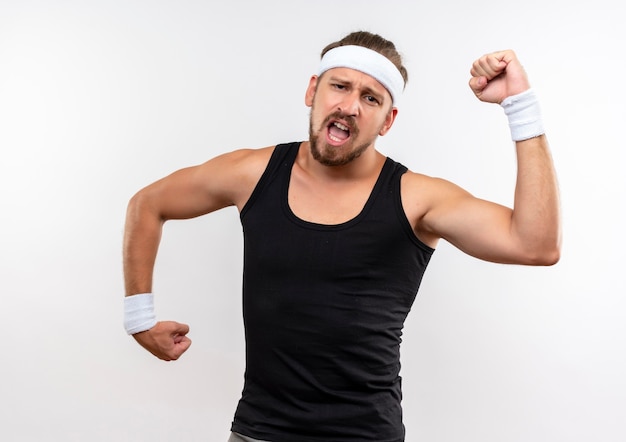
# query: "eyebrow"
366, 89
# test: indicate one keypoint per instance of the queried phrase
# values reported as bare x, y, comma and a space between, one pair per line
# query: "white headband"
367, 61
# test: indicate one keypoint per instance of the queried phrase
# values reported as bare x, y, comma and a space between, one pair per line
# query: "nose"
350, 105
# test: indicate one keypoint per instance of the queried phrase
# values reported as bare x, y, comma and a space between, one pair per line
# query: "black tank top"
324, 307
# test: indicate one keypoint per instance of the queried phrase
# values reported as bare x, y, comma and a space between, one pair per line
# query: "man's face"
349, 109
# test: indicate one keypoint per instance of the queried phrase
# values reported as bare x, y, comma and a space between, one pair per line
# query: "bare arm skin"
530, 233
227, 180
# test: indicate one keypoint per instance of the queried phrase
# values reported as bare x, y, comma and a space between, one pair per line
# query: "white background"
98, 99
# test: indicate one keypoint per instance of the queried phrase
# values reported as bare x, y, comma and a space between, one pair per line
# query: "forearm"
166, 340
142, 235
535, 223
536, 213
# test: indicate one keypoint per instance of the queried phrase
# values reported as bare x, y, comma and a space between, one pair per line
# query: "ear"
310, 91
391, 117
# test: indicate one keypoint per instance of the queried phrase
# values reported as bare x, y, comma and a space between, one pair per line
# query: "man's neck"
364, 167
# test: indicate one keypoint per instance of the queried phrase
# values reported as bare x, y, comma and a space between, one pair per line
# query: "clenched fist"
167, 340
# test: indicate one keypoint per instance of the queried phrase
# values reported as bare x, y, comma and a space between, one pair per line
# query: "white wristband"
524, 115
139, 313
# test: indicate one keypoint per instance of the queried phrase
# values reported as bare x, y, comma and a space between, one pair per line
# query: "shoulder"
244, 162
424, 198
428, 188
236, 173
245, 157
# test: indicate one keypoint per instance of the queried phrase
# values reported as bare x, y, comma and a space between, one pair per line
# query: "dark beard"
334, 161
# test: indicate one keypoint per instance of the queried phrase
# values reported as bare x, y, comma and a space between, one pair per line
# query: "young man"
336, 240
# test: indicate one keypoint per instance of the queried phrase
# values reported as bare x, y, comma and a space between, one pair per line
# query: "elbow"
142, 205
135, 205
550, 258
546, 255
556, 254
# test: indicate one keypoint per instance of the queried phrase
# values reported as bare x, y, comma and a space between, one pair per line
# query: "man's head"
352, 96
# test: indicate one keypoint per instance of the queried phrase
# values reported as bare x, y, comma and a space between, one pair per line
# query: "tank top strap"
281, 161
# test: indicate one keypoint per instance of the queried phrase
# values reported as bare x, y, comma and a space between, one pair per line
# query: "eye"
371, 99
338, 86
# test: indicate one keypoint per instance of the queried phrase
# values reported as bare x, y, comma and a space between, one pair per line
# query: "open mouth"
338, 132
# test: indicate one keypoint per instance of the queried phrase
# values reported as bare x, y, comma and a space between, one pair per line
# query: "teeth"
341, 126
333, 138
